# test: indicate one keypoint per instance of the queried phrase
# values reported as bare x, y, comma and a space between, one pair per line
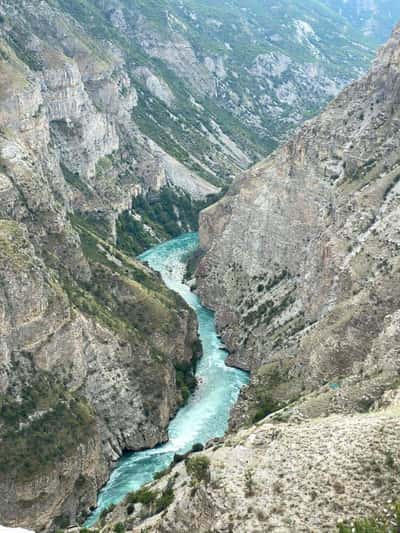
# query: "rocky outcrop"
302, 254
89, 338
61, 493
87, 371
307, 476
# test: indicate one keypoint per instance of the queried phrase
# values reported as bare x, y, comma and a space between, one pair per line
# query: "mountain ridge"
106, 147
301, 265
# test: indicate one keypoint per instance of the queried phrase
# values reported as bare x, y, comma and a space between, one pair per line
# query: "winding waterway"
206, 414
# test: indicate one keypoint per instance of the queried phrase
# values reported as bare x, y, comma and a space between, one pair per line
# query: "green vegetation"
106, 296
167, 214
162, 473
198, 467
119, 528
160, 209
166, 498
268, 310
192, 262
14, 245
146, 496
249, 483
74, 180
185, 379
388, 524
265, 407
132, 238
44, 426
105, 512
390, 186
61, 522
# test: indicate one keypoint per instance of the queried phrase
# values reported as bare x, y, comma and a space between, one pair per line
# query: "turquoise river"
206, 414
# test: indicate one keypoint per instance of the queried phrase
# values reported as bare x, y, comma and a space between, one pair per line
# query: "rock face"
89, 338
302, 253
87, 370
268, 66
306, 477
128, 100
302, 268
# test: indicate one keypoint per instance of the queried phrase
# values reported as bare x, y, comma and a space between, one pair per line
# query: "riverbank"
206, 414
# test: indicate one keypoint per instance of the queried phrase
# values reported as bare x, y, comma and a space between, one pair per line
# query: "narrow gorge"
301, 264
258, 390
205, 417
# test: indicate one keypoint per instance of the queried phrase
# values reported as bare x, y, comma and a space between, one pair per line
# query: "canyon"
118, 124
301, 265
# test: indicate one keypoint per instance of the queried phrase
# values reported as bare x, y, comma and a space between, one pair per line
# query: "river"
206, 414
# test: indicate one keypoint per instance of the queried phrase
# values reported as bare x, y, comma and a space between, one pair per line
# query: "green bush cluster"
106, 512
185, 379
166, 498
32, 443
198, 467
265, 407
132, 238
389, 524
168, 213
146, 496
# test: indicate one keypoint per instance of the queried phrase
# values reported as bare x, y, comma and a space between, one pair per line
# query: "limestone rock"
302, 253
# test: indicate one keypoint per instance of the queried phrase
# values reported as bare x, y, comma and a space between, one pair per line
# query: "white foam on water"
206, 414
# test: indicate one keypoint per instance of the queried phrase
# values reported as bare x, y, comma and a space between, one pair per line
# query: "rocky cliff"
132, 99
302, 254
89, 338
87, 367
302, 268
102, 103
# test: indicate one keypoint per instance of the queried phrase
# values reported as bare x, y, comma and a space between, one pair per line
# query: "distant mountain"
184, 95
375, 18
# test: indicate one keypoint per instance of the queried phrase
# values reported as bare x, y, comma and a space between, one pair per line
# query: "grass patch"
185, 379
46, 425
198, 468
265, 407
388, 524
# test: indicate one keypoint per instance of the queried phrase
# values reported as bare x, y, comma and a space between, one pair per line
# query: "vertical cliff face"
100, 104
90, 338
87, 371
302, 254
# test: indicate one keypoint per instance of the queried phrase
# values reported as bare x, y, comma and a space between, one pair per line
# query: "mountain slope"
87, 333
183, 96
302, 254
375, 18
306, 477
302, 266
